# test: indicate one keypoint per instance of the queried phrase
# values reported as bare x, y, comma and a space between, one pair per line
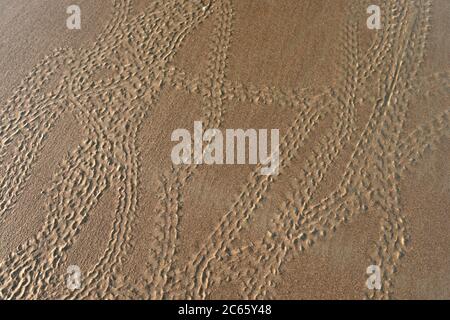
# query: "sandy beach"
93, 207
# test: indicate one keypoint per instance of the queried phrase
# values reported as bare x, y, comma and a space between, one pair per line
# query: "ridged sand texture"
346, 148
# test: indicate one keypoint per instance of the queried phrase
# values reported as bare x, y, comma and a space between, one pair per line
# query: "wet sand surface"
87, 180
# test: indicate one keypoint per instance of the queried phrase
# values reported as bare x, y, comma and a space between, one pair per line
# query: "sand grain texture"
86, 176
